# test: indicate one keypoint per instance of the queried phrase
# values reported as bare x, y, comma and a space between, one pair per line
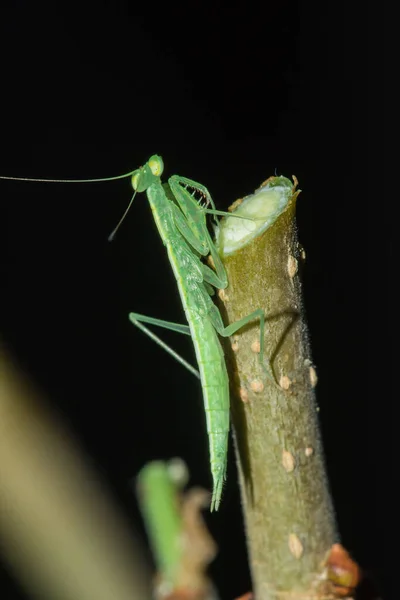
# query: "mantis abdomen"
215, 384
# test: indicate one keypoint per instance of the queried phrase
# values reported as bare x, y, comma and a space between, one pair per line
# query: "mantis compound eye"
156, 165
135, 180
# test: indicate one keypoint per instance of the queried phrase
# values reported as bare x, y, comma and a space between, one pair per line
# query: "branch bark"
287, 506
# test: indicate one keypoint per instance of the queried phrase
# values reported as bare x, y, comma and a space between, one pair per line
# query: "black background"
226, 93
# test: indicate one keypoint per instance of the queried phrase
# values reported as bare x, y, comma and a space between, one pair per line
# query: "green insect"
181, 222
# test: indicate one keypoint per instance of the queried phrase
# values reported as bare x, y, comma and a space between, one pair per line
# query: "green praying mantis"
180, 208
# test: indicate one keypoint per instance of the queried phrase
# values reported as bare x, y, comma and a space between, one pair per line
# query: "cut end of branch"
264, 207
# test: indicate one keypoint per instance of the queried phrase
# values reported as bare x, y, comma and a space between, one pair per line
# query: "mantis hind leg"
138, 321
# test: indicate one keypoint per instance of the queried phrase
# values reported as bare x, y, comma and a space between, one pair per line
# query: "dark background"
226, 93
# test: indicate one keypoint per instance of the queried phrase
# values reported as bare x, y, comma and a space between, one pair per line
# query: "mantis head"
143, 178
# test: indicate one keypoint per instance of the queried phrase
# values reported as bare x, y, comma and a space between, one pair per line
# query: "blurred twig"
181, 543
59, 531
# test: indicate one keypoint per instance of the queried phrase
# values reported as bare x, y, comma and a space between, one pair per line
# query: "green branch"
181, 544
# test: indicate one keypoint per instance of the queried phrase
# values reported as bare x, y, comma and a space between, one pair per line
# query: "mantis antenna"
98, 180
124, 176
114, 231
